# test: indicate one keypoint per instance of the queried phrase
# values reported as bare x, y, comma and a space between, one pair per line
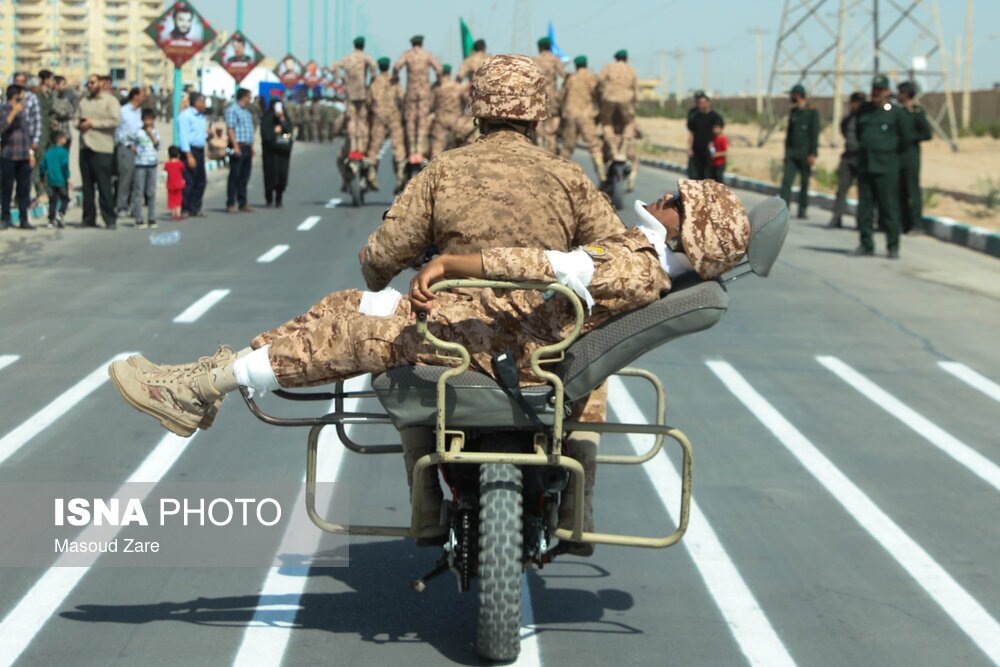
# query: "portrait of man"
238, 51
181, 32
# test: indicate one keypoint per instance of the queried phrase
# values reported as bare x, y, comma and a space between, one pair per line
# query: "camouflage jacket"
356, 66
384, 96
580, 93
449, 98
471, 64
418, 64
500, 191
552, 69
619, 83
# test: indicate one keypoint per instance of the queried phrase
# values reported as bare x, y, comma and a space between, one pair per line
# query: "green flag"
466, 38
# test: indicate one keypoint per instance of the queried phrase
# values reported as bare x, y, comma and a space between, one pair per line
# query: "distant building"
647, 89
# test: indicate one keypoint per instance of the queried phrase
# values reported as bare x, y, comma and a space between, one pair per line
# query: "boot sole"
141, 363
166, 421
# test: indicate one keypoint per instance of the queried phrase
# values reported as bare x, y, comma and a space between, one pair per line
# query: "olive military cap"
417, 39
580, 61
446, 69
621, 54
383, 63
545, 43
359, 42
880, 81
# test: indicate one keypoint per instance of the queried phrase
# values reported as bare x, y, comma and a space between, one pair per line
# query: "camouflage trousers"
580, 126
618, 121
417, 112
548, 132
357, 126
392, 126
450, 132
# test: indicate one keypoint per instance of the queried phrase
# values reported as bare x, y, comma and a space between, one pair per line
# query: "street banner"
180, 31
289, 71
238, 56
313, 75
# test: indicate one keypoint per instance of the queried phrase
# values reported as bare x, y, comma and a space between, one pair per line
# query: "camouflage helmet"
715, 228
510, 87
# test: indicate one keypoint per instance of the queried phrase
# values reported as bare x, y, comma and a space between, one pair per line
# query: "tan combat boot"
400, 176
373, 177
630, 181
582, 447
224, 355
179, 398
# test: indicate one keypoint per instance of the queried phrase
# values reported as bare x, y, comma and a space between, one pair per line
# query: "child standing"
147, 143
720, 148
55, 172
175, 182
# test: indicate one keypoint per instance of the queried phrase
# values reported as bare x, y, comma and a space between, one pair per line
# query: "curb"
945, 229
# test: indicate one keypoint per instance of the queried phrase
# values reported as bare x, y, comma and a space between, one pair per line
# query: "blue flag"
555, 47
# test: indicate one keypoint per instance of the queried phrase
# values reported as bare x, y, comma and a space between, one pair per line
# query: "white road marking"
201, 306
746, 620
7, 359
264, 640
62, 404
272, 254
978, 464
968, 614
30, 615
309, 222
529, 655
333, 203
972, 378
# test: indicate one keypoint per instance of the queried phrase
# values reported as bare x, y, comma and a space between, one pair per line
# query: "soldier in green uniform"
911, 203
885, 133
801, 148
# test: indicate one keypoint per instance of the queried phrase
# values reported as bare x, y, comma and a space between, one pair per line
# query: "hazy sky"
598, 28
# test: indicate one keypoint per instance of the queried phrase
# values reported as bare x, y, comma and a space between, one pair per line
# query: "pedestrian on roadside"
192, 137
63, 106
700, 122
801, 148
46, 94
147, 145
32, 110
720, 151
175, 183
125, 149
97, 118
911, 199
54, 170
239, 125
17, 158
848, 169
276, 132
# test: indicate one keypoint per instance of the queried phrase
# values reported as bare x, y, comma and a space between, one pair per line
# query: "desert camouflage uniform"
384, 99
619, 92
579, 97
451, 127
356, 66
312, 119
417, 101
471, 64
552, 69
325, 121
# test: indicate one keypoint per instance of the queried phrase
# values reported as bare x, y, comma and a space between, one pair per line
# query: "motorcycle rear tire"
618, 184
357, 191
498, 636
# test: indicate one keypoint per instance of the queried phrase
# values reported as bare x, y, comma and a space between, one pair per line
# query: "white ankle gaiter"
254, 372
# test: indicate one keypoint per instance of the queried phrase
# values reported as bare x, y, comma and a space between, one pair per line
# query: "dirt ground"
975, 168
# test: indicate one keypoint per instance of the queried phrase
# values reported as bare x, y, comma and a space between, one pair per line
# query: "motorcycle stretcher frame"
450, 443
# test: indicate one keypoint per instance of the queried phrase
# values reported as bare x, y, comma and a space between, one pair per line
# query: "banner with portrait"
289, 71
238, 56
313, 75
180, 31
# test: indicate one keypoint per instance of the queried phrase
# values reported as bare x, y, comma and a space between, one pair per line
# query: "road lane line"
201, 306
309, 223
746, 620
7, 359
934, 434
968, 614
333, 203
972, 378
62, 404
272, 254
45, 598
530, 655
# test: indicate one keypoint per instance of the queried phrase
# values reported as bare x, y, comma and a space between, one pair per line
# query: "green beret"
621, 54
359, 42
417, 39
446, 69
479, 45
580, 61
798, 89
880, 81
384, 62
545, 43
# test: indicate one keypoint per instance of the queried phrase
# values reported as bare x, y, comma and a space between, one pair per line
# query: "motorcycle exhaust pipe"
552, 479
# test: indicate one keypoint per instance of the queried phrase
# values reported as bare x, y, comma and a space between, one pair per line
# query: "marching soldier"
552, 69
451, 127
475, 59
313, 119
418, 98
579, 99
885, 134
619, 93
384, 99
356, 66
801, 148
911, 198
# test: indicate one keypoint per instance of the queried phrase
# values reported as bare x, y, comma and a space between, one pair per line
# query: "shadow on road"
380, 608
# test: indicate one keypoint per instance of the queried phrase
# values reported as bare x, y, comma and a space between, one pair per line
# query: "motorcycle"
356, 183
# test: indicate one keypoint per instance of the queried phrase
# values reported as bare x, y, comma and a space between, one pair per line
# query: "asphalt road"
843, 415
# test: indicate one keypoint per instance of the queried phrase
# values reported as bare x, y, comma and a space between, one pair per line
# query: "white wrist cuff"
575, 270
254, 372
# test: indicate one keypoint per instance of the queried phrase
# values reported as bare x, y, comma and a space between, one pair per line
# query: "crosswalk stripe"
972, 378
43, 600
7, 359
967, 613
309, 223
746, 620
38, 422
201, 306
976, 463
272, 254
